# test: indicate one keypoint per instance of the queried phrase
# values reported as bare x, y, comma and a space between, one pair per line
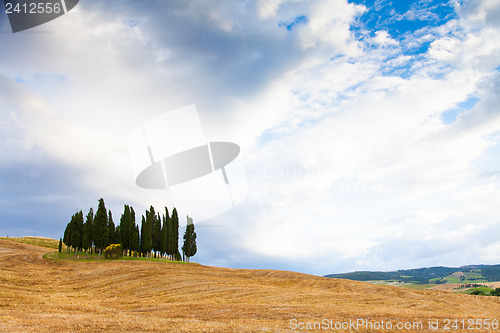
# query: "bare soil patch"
38, 295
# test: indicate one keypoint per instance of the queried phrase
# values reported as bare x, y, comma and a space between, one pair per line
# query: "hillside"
465, 274
39, 295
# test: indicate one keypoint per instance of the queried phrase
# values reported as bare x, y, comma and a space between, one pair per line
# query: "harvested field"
39, 295
454, 286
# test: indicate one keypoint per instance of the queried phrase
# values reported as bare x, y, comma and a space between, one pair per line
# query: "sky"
369, 130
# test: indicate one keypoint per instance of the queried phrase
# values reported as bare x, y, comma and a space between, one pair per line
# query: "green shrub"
114, 251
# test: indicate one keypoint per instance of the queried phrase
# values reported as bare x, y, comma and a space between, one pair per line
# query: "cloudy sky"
370, 131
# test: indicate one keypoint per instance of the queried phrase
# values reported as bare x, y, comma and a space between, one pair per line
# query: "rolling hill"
40, 295
466, 274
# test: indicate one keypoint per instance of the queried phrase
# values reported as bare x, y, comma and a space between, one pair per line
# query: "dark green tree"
60, 245
101, 227
164, 233
175, 234
113, 233
169, 232
134, 242
148, 232
143, 229
126, 228
156, 232
67, 235
189, 248
118, 237
87, 231
135, 228
146, 237
76, 231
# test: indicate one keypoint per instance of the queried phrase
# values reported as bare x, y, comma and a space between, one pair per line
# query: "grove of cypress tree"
158, 233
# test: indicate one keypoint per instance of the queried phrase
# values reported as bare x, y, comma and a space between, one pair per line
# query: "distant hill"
470, 273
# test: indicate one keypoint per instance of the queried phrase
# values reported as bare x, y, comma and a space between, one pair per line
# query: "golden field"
40, 295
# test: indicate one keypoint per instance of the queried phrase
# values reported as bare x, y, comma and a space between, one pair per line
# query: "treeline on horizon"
421, 275
157, 237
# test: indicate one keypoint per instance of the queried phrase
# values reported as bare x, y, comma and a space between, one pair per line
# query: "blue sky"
369, 129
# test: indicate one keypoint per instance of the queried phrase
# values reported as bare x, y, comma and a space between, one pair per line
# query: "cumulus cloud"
350, 163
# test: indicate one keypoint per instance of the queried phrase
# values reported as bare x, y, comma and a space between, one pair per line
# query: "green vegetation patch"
473, 275
87, 257
453, 279
38, 241
483, 290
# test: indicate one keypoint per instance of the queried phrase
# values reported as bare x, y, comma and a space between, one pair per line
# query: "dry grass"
39, 241
38, 295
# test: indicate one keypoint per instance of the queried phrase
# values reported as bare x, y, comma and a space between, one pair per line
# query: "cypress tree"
164, 233
126, 228
87, 230
175, 234
76, 231
101, 227
134, 242
134, 227
118, 237
67, 235
147, 239
143, 231
79, 224
112, 232
194, 247
189, 248
60, 245
156, 232
169, 232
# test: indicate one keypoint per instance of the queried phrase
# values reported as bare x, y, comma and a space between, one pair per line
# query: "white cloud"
385, 141
328, 26
382, 38
348, 160
268, 8
480, 13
